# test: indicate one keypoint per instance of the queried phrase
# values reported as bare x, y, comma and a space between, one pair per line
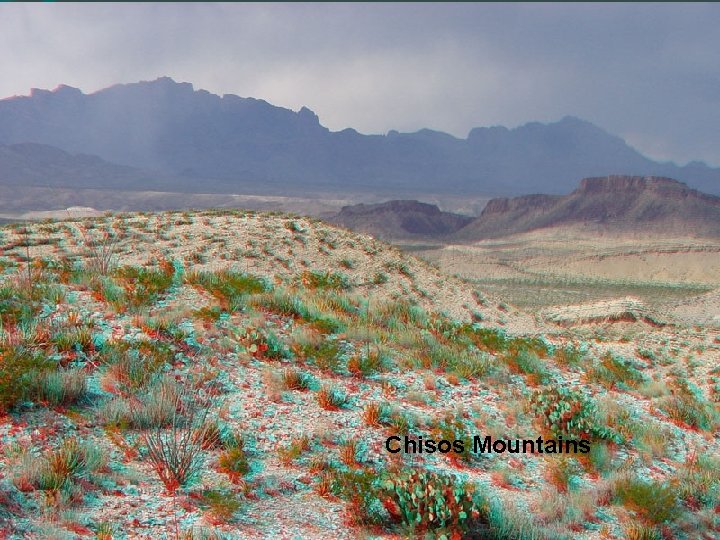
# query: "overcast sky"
647, 72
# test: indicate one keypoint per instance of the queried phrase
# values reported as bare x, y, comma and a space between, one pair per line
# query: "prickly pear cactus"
440, 505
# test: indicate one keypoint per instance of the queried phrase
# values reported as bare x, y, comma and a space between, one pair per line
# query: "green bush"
492, 340
690, 408
569, 413
143, 286
20, 371
228, 286
222, 503
314, 279
613, 371
528, 362
655, 501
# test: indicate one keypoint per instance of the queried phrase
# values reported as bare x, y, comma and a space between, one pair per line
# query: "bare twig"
177, 452
102, 249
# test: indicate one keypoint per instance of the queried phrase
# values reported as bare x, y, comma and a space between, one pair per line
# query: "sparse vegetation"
265, 369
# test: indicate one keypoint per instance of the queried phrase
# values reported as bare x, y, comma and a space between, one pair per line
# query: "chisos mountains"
610, 204
161, 133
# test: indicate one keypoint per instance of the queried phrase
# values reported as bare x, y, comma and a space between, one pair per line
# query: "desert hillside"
241, 375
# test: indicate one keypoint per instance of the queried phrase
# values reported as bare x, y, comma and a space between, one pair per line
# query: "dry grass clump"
298, 445
57, 473
331, 398
62, 387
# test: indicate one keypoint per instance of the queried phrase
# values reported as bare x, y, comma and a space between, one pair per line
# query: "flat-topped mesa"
618, 203
620, 183
504, 205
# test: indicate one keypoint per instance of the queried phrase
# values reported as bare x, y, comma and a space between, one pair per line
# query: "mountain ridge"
192, 135
615, 203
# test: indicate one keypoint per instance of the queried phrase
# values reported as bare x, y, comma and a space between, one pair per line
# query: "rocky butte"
619, 204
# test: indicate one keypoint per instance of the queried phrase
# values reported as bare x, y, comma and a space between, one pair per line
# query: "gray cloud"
647, 72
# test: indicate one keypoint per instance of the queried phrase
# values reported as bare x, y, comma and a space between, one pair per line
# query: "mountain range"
608, 205
165, 135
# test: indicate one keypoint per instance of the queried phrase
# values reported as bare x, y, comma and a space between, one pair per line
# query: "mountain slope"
611, 204
173, 128
32, 164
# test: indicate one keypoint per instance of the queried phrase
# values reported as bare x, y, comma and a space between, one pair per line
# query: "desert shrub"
228, 286
562, 472
569, 413
315, 279
492, 340
362, 489
17, 305
641, 531
369, 363
177, 453
466, 364
612, 371
115, 413
74, 339
221, 503
101, 248
107, 290
281, 302
526, 361
600, 457
393, 315
699, 481
655, 501
569, 355
326, 355
263, 343
137, 367
689, 407
351, 451
105, 531
377, 413
233, 459
297, 446
451, 427
143, 286
20, 369
535, 345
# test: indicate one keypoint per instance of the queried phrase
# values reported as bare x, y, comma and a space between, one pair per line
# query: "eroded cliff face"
524, 203
617, 203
